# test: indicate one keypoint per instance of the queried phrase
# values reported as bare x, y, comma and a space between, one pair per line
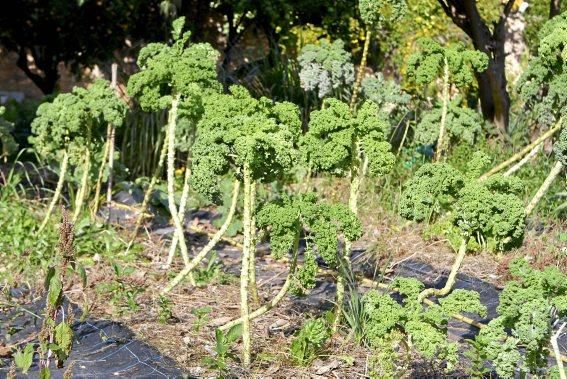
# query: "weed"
223, 345
201, 313
307, 344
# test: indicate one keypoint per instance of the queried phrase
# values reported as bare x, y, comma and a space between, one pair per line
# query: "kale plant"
462, 125
528, 307
410, 325
454, 64
71, 128
543, 84
374, 14
344, 144
391, 99
489, 211
256, 141
325, 67
176, 78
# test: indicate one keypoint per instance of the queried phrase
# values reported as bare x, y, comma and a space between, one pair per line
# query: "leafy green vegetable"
526, 308
427, 64
426, 328
334, 133
376, 12
76, 122
308, 342
463, 125
325, 67
542, 86
236, 131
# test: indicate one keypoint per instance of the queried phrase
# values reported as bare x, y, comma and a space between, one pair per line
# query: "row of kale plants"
255, 141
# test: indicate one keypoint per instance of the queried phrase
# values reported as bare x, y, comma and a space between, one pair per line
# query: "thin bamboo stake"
211, 244
98, 186
58, 190
111, 137
150, 189
553, 174
516, 157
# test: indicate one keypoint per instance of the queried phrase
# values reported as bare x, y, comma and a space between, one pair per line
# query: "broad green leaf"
24, 359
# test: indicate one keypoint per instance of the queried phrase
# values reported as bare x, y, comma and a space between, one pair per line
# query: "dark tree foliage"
75, 32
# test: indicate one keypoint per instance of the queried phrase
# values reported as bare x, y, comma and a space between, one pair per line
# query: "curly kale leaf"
304, 278
326, 222
461, 300
386, 94
542, 85
462, 125
383, 315
560, 147
526, 308
432, 189
283, 217
499, 348
375, 13
167, 71
335, 135
484, 212
325, 67
76, 121
323, 223
237, 130
428, 63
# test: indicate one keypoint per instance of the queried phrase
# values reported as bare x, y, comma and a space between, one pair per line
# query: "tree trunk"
46, 83
554, 8
492, 83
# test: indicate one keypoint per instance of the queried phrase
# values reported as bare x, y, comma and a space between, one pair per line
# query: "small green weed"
122, 291
224, 342
201, 313
307, 344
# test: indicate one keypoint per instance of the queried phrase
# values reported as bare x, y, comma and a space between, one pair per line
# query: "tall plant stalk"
148, 194
83, 189
253, 285
553, 174
451, 279
111, 138
358, 170
58, 190
516, 157
440, 151
105, 158
181, 215
245, 271
171, 123
277, 298
212, 242
361, 69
